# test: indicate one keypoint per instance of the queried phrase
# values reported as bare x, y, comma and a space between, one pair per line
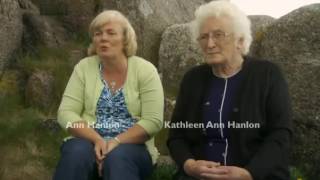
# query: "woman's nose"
104, 37
211, 43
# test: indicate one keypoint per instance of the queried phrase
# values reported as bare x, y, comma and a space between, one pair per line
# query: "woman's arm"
273, 154
177, 143
152, 106
70, 109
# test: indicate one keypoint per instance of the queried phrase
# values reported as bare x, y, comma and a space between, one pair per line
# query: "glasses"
216, 36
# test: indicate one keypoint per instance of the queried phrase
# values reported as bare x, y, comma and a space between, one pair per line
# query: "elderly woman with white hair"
232, 115
112, 107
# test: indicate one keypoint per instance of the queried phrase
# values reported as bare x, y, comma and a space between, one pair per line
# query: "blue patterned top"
113, 117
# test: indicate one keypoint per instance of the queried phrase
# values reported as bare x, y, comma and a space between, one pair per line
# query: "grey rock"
39, 90
50, 7
75, 55
28, 6
43, 30
259, 24
149, 18
10, 31
293, 42
178, 53
79, 14
50, 124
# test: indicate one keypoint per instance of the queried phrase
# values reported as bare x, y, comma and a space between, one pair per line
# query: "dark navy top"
218, 105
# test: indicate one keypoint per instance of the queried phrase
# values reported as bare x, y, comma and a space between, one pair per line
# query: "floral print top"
113, 117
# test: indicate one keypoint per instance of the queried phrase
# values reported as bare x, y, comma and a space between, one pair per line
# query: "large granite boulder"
178, 53
293, 42
10, 30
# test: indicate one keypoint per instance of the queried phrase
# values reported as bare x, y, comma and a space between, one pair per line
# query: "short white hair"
240, 22
130, 40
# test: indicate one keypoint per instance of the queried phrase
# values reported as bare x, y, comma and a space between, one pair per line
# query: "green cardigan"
142, 90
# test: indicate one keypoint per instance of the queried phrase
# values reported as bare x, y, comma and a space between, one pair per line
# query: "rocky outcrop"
39, 90
28, 6
293, 42
10, 31
43, 30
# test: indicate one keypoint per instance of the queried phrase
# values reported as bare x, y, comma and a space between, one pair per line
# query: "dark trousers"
125, 162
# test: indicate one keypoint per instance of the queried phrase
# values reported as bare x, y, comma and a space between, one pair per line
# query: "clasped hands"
102, 148
208, 170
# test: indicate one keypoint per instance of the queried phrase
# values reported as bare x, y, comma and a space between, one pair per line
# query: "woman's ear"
240, 43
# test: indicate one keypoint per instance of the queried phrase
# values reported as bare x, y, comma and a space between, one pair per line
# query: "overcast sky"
274, 8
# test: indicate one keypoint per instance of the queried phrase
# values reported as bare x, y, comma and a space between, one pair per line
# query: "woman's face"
217, 41
108, 40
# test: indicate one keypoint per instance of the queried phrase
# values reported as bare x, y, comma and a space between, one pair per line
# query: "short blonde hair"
130, 40
222, 8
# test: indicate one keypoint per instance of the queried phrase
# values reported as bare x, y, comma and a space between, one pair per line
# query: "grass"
163, 172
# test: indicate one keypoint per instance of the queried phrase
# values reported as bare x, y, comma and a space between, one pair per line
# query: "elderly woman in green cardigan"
112, 107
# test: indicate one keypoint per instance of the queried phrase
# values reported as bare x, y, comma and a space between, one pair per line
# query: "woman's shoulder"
198, 71
262, 67
137, 61
259, 63
88, 61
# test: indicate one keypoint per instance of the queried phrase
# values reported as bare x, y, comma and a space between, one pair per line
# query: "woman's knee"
78, 149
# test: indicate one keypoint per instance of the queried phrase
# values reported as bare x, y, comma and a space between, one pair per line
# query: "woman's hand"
105, 148
196, 168
233, 173
100, 148
111, 145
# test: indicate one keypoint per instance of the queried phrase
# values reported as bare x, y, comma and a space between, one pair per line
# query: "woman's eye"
97, 33
112, 33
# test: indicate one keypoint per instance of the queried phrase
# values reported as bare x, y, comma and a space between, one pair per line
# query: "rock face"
39, 90
79, 14
293, 42
43, 30
10, 30
28, 6
178, 53
149, 18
